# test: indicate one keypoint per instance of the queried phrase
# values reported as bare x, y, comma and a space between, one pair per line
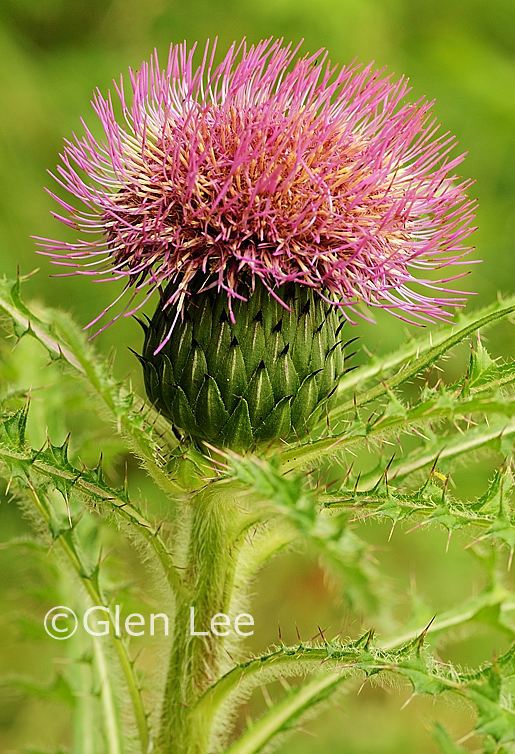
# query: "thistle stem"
197, 661
114, 736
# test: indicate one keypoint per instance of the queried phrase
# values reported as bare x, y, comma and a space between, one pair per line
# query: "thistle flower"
264, 179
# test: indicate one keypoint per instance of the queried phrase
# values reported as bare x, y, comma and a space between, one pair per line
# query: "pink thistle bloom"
282, 169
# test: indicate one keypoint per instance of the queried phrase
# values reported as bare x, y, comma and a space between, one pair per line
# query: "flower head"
267, 167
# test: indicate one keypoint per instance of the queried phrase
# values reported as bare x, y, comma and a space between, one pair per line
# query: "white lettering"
104, 623
240, 621
134, 619
192, 625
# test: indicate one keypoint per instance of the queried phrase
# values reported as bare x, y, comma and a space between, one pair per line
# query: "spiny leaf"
412, 661
285, 715
498, 435
12, 438
423, 351
482, 368
57, 456
342, 548
493, 606
64, 340
433, 503
69, 545
12, 429
437, 404
51, 465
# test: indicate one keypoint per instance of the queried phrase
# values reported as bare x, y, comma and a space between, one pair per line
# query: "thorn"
466, 737
51, 546
284, 683
433, 467
408, 700
319, 633
388, 467
266, 696
300, 729
69, 511
347, 475
418, 526
424, 633
348, 343
101, 559
475, 541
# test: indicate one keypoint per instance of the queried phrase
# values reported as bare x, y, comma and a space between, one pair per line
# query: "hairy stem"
67, 546
282, 716
113, 732
197, 661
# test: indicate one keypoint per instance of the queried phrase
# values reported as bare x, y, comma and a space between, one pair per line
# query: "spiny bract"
266, 376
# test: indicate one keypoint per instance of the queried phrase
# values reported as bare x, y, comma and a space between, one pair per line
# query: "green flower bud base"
265, 377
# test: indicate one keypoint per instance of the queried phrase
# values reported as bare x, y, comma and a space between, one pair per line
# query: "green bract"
264, 377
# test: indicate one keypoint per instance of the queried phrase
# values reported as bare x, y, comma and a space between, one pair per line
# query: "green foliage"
489, 689
387, 453
54, 54
65, 342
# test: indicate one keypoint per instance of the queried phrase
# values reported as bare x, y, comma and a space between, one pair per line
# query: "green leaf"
482, 368
330, 535
12, 429
487, 689
418, 354
498, 435
444, 740
51, 465
65, 341
285, 715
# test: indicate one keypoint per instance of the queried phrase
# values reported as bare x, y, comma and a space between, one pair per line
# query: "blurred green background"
53, 53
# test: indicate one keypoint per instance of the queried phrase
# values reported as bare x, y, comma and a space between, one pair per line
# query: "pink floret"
268, 166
